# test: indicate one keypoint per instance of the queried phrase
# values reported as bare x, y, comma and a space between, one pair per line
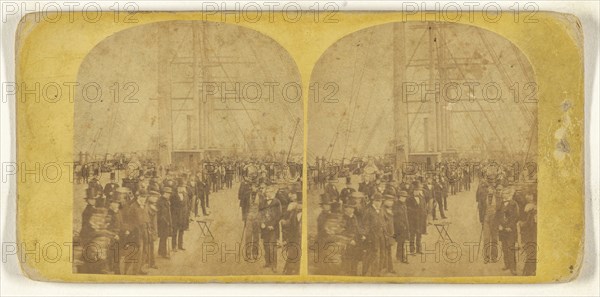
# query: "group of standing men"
121, 223
271, 214
362, 225
507, 213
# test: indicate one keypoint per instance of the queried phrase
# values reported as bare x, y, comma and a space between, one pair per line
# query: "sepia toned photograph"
188, 147
422, 154
298, 146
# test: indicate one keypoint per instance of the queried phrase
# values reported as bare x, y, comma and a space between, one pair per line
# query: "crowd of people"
123, 222
363, 224
272, 214
373, 225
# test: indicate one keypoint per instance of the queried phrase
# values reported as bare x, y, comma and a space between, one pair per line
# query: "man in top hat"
509, 216
91, 228
270, 215
251, 231
137, 222
87, 232
347, 191
244, 196
85, 173
115, 226
444, 182
417, 217
374, 225
401, 226
192, 190
229, 174
94, 184
358, 199
481, 197
111, 187
353, 233
489, 206
452, 179
152, 209
203, 191
438, 199
293, 236
327, 229
428, 195
214, 178
180, 217
164, 224
323, 216
467, 178
283, 197
389, 232
287, 212
331, 189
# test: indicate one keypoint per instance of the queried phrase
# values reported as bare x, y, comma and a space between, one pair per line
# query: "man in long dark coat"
352, 231
110, 189
137, 221
417, 217
389, 232
293, 238
481, 198
203, 194
529, 234
152, 210
438, 199
163, 221
374, 225
115, 225
270, 215
180, 217
508, 232
244, 196
401, 226
251, 231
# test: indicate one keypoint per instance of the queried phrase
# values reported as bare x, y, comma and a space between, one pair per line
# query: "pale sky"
362, 65
128, 62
